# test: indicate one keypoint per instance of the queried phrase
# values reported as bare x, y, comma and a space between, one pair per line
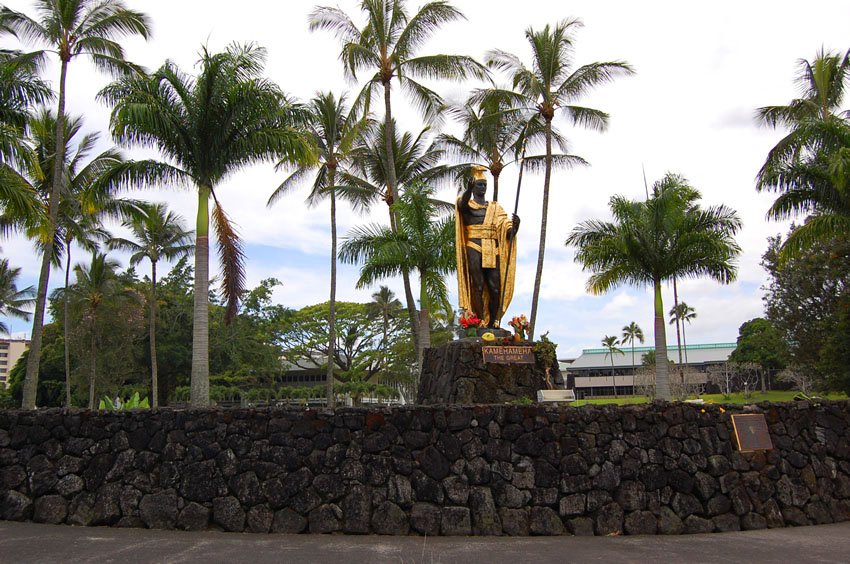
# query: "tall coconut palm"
632, 332
649, 242
493, 134
386, 48
424, 242
95, 284
551, 85
70, 29
810, 166
611, 344
679, 314
158, 234
13, 302
335, 131
83, 204
207, 127
416, 159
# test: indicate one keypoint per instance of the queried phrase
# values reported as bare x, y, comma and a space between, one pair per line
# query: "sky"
702, 68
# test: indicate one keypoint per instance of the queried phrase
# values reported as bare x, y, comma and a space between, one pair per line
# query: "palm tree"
385, 305
386, 46
551, 85
12, 300
158, 234
83, 204
71, 29
20, 89
416, 159
631, 332
493, 134
207, 127
810, 166
423, 242
335, 131
610, 343
679, 314
96, 284
649, 242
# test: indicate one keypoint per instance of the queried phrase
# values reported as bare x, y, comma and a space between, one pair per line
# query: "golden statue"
486, 252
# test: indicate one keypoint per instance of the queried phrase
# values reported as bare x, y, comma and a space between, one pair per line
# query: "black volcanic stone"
159, 510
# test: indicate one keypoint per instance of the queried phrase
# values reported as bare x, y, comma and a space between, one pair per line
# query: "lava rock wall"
475, 470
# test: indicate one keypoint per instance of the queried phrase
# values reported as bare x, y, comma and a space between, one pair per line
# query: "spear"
516, 207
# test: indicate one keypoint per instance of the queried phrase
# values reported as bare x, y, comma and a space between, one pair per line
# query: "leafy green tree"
611, 344
650, 242
632, 332
804, 299
760, 342
810, 166
207, 127
357, 351
71, 29
552, 85
424, 242
158, 234
13, 302
335, 131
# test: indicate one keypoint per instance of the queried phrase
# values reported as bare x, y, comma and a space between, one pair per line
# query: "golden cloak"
494, 245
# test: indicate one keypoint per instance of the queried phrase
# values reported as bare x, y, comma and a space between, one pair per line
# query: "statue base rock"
455, 373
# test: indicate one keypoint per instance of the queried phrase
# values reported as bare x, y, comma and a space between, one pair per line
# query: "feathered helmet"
478, 173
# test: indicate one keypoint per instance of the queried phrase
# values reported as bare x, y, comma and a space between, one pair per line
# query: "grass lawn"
733, 399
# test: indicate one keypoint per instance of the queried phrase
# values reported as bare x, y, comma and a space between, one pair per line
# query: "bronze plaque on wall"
508, 355
751, 432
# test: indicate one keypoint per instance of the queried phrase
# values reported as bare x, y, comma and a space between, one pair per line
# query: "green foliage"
760, 342
668, 236
118, 405
806, 300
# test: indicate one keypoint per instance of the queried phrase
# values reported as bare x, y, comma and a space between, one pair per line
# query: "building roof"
697, 354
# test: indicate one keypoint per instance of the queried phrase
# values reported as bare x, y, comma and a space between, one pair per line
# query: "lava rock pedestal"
455, 373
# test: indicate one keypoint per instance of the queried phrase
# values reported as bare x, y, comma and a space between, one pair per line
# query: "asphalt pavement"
29, 542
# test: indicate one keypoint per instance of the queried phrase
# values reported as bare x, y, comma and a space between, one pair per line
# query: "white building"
10, 351
591, 373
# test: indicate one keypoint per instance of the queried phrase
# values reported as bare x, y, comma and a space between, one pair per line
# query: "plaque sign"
508, 355
751, 432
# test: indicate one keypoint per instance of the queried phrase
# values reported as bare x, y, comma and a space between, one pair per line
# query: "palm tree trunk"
541, 248
154, 381
662, 376
31, 379
678, 332
424, 329
495, 186
200, 380
408, 295
93, 371
613, 377
329, 378
389, 134
67, 324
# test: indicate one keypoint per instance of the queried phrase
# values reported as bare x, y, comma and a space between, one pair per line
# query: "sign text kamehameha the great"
508, 354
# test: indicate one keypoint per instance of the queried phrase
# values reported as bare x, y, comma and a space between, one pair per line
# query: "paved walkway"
29, 542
